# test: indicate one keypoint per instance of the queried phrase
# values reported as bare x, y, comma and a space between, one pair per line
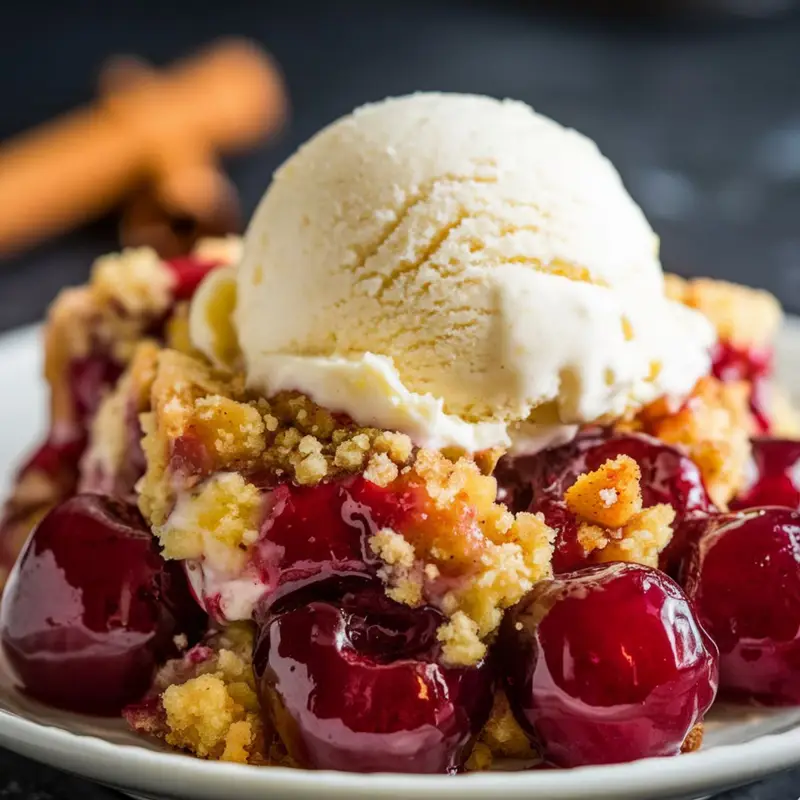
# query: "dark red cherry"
359, 686
189, 272
607, 664
752, 364
668, 476
773, 475
321, 533
92, 609
49, 476
89, 378
743, 575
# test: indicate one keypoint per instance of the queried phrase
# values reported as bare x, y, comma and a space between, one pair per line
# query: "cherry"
668, 476
743, 575
91, 608
607, 664
773, 475
752, 364
50, 475
320, 534
189, 271
358, 686
89, 378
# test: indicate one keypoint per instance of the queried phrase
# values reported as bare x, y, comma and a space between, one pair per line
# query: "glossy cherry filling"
743, 575
752, 364
668, 476
321, 534
91, 609
358, 685
189, 272
89, 379
773, 475
607, 664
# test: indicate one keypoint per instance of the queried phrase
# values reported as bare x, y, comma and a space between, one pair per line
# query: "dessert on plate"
435, 468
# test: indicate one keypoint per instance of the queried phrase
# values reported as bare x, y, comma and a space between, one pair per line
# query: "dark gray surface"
703, 120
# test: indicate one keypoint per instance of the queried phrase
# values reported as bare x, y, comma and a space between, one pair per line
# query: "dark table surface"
702, 117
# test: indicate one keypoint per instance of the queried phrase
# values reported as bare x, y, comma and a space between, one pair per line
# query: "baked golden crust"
612, 525
714, 426
206, 704
743, 316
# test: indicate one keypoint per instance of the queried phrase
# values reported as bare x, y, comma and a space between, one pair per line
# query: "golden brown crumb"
218, 519
473, 554
205, 421
714, 426
743, 316
461, 640
480, 759
217, 714
136, 279
351, 453
381, 470
611, 523
397, 445
642, 538
610, 495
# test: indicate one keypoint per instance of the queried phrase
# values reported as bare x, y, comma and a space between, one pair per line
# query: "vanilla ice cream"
458, 268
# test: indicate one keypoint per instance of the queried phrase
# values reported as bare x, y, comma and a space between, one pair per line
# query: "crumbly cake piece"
743, 316
612, 525
207, 440
91, 335
714, 426
206, 704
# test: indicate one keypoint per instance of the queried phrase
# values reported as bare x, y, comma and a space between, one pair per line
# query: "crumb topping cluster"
205, 422
612, 525
126, 294
206, 703
743, 316
714, 426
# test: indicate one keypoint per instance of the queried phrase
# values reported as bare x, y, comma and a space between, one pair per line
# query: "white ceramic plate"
741, 745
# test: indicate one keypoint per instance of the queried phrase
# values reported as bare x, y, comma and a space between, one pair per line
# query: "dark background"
700, 112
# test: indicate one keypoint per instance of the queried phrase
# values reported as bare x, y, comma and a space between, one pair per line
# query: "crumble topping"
127, 293
206, 703
205, 421
135, 279
714, 427
217, 521
463, 552
610, 495
744, 316
612, 526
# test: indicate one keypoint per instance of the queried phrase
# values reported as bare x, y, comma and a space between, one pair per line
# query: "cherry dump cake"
436, 469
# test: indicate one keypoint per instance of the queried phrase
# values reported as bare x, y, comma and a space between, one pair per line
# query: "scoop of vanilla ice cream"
459, 268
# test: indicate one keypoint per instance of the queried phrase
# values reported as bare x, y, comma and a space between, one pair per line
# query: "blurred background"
696, 101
